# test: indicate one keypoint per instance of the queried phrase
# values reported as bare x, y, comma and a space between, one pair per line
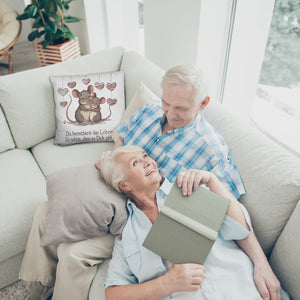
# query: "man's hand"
266, 282
183, 277
189, 180
102, 157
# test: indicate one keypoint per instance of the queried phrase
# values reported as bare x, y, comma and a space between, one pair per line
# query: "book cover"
187, 226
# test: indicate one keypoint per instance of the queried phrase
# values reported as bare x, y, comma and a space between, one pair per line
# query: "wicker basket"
57, 53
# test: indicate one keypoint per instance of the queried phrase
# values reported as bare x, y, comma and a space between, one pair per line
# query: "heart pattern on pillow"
71, 84
111, 86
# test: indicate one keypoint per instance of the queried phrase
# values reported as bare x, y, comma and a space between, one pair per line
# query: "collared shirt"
229, 271
195, 146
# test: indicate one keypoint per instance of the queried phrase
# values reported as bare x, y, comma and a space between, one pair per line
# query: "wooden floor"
23, 58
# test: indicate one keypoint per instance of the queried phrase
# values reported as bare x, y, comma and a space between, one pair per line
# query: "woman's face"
140, 170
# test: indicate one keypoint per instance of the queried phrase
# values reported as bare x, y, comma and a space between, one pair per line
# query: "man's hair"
111, 170
188, 74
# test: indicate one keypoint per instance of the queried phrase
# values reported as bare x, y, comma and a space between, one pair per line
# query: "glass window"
276, 109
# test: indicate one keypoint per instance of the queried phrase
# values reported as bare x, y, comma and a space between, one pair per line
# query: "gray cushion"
82, 206
33, 121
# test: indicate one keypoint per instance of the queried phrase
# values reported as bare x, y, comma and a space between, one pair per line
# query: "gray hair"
111, 170
188, 74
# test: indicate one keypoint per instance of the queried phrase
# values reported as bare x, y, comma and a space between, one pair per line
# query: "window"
276, 108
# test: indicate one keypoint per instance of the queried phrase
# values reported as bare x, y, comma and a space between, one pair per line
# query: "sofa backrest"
27, 97
6, 141
270, 174
138, 69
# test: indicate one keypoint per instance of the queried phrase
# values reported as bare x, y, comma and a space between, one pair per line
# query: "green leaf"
33, 35
45, 44
51, 27
38, 23
70, 35
71, 19
32, 11
50, 6
23, 16
56, 17
41, 33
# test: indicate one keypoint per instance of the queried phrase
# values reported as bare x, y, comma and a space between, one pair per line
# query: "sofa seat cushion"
270, 174
53, 158
33, 121
23, 187
6, 141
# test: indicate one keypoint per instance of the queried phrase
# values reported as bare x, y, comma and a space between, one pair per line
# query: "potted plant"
49, 25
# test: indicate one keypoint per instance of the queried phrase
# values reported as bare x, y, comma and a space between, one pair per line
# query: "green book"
187, 226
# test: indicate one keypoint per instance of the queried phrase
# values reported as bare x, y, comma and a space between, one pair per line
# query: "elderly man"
176, 135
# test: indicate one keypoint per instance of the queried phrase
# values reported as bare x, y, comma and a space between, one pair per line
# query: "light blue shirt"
195, 146
229, 271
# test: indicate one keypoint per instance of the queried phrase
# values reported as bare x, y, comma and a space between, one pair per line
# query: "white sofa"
27, 154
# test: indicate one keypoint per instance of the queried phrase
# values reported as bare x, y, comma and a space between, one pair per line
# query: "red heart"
111, 102
71, 84
111, 86
99, 85
63, 103
86, 81
62, 91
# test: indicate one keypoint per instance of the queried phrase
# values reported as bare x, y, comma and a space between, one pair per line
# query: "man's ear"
204, 103
124, 187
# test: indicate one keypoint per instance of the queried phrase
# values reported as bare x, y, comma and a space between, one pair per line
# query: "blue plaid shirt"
195, 146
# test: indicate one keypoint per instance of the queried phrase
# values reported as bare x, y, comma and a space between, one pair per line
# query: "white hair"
188, 74
112, 170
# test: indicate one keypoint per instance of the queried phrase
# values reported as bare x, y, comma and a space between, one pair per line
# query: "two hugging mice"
88, 110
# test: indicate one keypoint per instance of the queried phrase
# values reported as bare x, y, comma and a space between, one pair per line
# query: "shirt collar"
161, 195
186, 128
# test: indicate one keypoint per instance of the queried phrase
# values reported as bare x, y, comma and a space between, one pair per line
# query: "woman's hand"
102, 157
183, 277
189, 180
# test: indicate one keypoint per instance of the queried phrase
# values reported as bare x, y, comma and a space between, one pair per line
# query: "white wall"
171, 31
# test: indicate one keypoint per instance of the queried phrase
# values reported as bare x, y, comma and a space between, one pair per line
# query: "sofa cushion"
82, 206
285, 255
23, 188
6, 141
270, 174
31, 93
138, 69
53, 158
142, 96
87, 107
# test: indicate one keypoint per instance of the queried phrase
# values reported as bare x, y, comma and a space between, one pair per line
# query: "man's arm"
264, 277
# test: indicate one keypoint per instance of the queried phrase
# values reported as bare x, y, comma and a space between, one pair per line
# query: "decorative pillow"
142, 96
82, 206
88, 107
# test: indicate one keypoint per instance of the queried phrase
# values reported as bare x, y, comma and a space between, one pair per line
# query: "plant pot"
57, 53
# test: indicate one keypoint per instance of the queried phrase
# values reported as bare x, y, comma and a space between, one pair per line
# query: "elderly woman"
137, 273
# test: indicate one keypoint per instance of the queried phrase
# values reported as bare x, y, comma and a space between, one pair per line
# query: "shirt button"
157, 140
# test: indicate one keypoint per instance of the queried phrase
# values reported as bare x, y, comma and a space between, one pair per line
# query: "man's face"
179, 105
